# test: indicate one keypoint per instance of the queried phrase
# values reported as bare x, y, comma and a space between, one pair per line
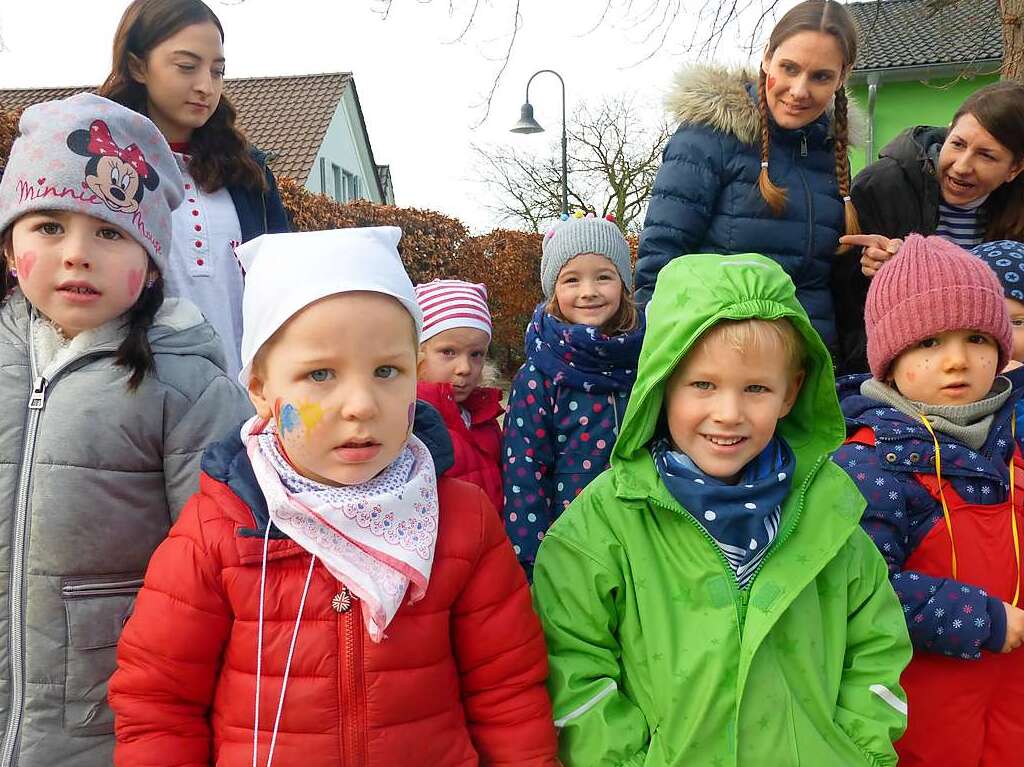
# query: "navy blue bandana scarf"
743, 519
580, 356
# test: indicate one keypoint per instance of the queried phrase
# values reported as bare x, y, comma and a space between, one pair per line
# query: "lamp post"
527, 124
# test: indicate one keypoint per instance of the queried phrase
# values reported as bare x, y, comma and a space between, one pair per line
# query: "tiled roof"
909, 33
287, 116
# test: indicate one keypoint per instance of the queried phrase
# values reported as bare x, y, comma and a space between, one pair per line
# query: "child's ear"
257, 395
420, 357
795, 384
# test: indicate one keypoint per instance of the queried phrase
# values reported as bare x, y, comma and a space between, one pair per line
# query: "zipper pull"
35, 402
803, 144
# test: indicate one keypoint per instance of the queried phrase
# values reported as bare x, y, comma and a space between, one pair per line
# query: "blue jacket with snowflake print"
943, 615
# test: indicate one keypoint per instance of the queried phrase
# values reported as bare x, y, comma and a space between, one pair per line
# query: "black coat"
894, 196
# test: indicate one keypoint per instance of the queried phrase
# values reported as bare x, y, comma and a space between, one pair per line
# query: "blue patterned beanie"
1006, 258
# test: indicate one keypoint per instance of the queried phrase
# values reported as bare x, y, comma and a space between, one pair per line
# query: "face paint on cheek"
770, 84
412, 414
135, 277
911, 376
25, 262
310, 413
289, 421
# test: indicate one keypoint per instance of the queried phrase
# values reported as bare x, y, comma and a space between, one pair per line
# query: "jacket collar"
228, 462
483, 404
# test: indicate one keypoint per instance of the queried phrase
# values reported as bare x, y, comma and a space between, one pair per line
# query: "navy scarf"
743, 519
581, 357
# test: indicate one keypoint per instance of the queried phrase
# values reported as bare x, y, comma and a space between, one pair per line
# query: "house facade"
311, 127
916, 64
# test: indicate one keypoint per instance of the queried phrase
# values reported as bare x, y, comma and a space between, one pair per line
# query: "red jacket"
459, 679
478, 446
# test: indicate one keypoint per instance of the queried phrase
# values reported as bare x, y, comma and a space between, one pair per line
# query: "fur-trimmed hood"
724, 99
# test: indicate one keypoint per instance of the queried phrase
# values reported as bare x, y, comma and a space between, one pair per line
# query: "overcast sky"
420, 92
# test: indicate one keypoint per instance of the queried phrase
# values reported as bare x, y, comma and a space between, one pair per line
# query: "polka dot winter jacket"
564, 411
944, 615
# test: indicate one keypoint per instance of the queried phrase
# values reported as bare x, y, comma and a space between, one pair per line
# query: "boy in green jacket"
711, 599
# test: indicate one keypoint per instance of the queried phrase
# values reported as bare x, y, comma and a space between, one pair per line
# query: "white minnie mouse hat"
284, 273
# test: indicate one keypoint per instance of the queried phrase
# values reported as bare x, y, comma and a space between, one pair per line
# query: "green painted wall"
904, 104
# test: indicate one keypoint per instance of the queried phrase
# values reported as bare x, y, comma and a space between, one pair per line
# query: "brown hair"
134, 352
219, 151
999, 108
624, 320
830, 18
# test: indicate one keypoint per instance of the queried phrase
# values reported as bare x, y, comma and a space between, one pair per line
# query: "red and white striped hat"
448, 304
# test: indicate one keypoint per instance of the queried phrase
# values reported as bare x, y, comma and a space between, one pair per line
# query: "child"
932, 448
711, 599
322, 557
568, 398
109, 395
1006, 259
453, 350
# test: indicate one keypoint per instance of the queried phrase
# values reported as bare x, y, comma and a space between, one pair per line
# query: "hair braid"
842, 143
773, 195
134, 352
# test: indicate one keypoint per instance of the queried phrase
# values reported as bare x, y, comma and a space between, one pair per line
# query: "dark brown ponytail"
775, 196
842, 145
134, 352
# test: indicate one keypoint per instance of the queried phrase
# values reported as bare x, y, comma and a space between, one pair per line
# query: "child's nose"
357, 403
76, 252
727, 409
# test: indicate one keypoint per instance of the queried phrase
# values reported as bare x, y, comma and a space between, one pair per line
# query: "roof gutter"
927, 71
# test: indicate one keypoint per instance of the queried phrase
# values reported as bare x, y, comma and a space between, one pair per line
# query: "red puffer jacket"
459, 679
478, 446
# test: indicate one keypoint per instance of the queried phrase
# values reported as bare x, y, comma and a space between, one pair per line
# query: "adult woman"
963, 183
168, 64
762, 166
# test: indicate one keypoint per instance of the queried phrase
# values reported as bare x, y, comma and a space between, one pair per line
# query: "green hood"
692, 294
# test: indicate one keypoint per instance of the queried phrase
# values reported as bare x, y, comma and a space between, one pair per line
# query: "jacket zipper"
16, 601
615, 413
809, 198
129, 586
352, 713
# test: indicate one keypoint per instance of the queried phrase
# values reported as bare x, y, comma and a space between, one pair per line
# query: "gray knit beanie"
86, 154
572, 237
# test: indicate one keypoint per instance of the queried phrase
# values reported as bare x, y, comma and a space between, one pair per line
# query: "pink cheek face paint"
135, 277
25, 263
770, 84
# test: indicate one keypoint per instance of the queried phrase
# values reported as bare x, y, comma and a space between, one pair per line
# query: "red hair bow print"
102, 144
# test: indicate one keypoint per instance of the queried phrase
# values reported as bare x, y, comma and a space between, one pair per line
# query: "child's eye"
757, 389
447, 352
978, 338
702, 385
929, 343
386, 371
1018, 322
106, 233
50, 227
476, 355
321, 375
218, 73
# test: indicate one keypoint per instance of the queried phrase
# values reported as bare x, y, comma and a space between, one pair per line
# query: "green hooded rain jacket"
657, 657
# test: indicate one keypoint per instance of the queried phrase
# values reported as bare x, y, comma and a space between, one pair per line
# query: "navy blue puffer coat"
706, 198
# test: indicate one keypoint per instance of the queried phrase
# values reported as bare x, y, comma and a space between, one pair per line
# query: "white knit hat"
285, 273
448, 304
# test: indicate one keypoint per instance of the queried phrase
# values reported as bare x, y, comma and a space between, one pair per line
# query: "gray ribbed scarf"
968, 424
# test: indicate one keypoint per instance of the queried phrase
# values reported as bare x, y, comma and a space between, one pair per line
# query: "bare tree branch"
613, 157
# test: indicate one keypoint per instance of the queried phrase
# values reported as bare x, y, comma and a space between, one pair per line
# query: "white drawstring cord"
259, 653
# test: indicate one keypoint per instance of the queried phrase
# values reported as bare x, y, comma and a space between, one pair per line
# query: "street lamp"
527, 124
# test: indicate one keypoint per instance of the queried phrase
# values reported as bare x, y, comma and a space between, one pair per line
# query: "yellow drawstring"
942, 495
1013, 504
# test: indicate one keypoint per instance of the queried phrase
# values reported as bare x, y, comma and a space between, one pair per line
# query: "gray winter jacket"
91, 479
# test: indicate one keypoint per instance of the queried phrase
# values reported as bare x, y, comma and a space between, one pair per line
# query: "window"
339, 190
352, 187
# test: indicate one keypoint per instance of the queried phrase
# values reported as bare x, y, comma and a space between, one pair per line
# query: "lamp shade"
526, 122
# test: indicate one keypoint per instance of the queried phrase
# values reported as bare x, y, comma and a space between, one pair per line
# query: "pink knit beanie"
932, 286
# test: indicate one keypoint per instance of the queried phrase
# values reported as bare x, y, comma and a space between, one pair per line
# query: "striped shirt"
962, 226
